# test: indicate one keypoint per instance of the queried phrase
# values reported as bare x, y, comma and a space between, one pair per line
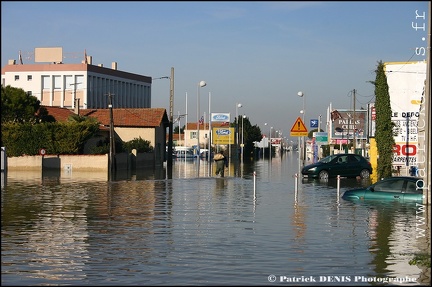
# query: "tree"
251, 134
17, 106
139, 144
384, 126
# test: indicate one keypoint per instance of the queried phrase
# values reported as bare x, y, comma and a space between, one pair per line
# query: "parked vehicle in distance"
344, 164
399, 188
184, 152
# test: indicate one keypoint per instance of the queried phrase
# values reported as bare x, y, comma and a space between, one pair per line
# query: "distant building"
149, 124
72, 86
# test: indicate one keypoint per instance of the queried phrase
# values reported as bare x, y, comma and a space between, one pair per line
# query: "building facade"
81, 85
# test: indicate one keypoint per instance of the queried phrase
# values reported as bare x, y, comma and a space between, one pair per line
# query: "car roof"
415, 178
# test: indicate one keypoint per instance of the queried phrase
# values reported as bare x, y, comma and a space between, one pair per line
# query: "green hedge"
55, 138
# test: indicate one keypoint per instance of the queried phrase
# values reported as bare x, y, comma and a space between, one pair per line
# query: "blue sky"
259, 54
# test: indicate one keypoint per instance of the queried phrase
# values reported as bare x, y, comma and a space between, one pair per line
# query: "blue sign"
222, 132
220, 117
314, 123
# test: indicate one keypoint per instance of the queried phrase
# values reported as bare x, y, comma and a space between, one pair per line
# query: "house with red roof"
129, 123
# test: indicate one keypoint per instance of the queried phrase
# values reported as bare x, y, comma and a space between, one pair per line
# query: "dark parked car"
345, 165
399, 188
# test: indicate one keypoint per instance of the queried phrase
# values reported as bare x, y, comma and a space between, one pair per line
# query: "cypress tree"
384, 125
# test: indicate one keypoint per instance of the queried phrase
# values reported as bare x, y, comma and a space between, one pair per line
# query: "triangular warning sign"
299, 129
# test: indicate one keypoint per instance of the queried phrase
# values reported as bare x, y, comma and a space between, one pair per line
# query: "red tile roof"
60, 114
145, 117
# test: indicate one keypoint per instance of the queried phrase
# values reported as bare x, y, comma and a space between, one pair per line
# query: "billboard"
406, 82
51, 54
349, 124
223, 136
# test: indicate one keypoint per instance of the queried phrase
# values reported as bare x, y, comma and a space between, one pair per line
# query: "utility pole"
112, 141
170, 128
354, 127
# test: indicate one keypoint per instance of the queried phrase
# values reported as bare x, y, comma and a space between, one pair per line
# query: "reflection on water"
191, 228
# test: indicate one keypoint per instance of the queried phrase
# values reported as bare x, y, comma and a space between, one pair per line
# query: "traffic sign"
299, 129
313, 123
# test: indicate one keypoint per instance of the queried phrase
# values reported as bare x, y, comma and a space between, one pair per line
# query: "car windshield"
328, 159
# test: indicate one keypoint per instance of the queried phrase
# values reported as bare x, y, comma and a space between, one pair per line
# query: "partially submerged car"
399, 188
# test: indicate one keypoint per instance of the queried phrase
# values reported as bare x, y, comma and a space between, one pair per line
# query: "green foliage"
384, 125
17, 106
251, 134
421, 260
56, 138
102, 147
139, 144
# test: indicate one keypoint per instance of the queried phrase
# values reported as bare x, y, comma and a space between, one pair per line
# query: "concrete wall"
81, 163
68, 162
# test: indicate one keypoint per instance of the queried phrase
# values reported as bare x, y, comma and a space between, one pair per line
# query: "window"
354, 158
414, 187
46, 82
29, 77
390, 186
57, 82
193, 135
16, 77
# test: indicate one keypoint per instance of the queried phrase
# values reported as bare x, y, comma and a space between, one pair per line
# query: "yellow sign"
223, 135
299, 129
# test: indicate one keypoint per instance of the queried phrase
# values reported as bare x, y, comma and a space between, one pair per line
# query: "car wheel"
323, 174
364, 173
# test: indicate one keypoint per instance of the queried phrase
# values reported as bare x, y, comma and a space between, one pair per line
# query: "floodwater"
252, 227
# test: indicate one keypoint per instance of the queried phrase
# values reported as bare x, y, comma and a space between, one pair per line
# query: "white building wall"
60, 88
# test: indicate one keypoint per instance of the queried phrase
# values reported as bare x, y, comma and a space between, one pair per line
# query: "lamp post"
238, 105
171, 119
200, 85
270, 146
242, 139
303, 146
263, 143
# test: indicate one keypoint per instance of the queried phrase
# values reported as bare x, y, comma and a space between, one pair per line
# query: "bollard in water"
338, 187
296, 188
254, 181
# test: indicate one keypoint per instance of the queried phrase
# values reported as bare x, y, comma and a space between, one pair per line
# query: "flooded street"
197, 229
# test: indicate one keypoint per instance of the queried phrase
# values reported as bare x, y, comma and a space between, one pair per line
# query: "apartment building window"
57, 82
16, 77
46, 82
29, 77
193, 135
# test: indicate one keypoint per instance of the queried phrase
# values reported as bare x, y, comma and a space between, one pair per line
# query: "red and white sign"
405, 153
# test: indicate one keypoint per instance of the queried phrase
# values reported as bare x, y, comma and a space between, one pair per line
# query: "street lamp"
263, 143
171, 118
270, 145
242, 139
200, 85
238, 105
303, 147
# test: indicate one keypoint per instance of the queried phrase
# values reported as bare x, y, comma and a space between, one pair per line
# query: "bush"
55, 138
139, 144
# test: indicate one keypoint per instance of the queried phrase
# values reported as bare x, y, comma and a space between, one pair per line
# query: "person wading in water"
221, 163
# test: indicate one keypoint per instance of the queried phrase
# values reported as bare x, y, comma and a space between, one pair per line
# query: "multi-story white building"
82, 85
